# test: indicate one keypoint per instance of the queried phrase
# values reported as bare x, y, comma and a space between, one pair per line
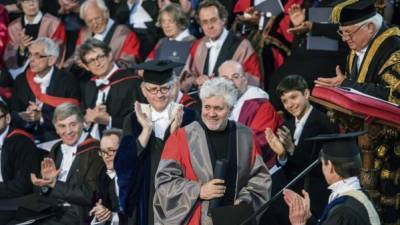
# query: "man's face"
39, 62
357, 37
158, 96
69, 129
95, 19
296, 102
168, 25
211, 23
98, 63
215, 112
231, 73
30, 7
4, 121
109, 146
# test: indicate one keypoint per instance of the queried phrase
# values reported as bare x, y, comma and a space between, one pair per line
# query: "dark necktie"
354, 69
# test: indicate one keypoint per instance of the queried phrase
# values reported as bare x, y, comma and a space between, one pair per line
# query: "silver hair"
238, 66
50, 47
66, 110
87, 3
220, 87
376, 20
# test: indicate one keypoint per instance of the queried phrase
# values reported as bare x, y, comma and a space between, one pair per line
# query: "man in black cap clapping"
373, 66
341, 166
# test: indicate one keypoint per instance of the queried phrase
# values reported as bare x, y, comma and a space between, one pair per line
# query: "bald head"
233, 71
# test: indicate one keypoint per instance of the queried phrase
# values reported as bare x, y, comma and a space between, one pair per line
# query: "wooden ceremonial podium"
380, 174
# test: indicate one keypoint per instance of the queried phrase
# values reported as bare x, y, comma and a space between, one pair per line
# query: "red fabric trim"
113, 82
20, 132
186, 100
181, 154
59, 34
241, 6
53, 101
153, 52
6, 92
82, 146
252, 66
131, 47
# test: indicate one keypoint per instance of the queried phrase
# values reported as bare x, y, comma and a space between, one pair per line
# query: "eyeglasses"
155, 90
211, 21
36, 56
95, 20
350, 34
107, 153
95, 61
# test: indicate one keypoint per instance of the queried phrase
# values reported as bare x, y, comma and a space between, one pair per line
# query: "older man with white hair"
123, 42
373, 66
41, 89
188, 176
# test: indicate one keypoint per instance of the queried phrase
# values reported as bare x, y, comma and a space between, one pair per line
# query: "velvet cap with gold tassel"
351, 12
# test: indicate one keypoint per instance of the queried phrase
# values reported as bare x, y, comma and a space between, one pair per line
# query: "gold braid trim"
394, 86
394, 31
337, 10
351, 59
393, 59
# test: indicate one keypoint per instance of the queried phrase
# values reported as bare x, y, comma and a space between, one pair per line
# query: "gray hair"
66, 110
177, 15
87, 3
113, 131
51, 48
376, 20
220, 87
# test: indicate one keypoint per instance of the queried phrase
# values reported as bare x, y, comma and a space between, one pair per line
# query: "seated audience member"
69, 175
183, 97
173, 22
27, 28
252, 107
185, 177
294, 153
123, 42
111, 93
107, 199
219, 45
40, 89
348, 203
372, 66
150, 125
3, 33
19, 157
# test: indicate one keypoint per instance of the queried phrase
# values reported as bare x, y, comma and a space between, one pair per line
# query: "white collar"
103, 34
252, 92
111, 174
343, 186
219, 41
66, 149
45, 79
160, 115
182, 35
305, 116
3, 136
362, 51
36, 20
179, 97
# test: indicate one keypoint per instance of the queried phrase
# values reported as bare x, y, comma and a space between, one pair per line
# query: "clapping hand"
333, 81
100, 212
48, 172
177, 119
299, 207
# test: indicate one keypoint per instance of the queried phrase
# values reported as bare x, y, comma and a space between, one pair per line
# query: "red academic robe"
3, 32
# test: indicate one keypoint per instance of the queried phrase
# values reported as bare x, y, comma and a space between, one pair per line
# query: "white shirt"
182, 35
300, 125
102, 35
69, 153
44, 81
252, 92
215, 48
2, 137
138, 16
161, 121
360, 54
343, 186
36, 20
101, 99
179, 97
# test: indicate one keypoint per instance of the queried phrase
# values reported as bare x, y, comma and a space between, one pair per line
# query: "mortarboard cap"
157, 71
339, 146
353, 11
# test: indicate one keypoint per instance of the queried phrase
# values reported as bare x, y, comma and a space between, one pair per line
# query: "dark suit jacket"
305, 153
120, 100
81, 182
62, 84
19, 158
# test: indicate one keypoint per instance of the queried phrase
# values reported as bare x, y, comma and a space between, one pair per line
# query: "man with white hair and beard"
373, 66
186, 175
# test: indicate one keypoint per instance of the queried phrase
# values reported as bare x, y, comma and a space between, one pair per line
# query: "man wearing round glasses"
150, 125
373, 66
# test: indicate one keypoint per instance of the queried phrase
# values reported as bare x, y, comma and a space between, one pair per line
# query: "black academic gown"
19, 158
62, 84
120, 99
310, 64
147, 164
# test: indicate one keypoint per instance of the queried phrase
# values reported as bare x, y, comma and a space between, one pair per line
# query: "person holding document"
190, 175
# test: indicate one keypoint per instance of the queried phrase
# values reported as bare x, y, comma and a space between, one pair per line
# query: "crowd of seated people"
138, 112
